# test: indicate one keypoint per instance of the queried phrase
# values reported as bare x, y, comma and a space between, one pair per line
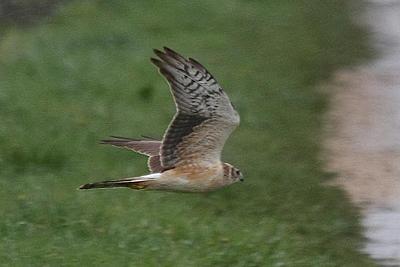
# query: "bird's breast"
194, 177
198, 171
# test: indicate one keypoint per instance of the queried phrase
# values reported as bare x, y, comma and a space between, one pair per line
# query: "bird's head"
232, 173
237, 175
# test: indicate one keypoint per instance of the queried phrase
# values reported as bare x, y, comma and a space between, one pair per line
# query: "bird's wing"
205, 116
154, 164
148, 147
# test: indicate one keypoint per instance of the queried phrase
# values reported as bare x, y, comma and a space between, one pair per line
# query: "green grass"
85, 74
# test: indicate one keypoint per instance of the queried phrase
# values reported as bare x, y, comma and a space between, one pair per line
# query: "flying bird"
188, 158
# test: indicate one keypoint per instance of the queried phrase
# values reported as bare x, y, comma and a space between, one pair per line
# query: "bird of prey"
188, 159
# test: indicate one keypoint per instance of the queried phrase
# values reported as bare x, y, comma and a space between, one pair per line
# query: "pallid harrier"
188, 159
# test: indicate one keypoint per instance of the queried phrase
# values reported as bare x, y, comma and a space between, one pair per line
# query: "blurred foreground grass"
85, 74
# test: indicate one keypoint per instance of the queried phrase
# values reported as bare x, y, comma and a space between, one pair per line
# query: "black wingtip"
119, 140
150, 138
118, 143
158, 52
175, 55
125, 138
169, 50
109, 142
85, 186
156, 62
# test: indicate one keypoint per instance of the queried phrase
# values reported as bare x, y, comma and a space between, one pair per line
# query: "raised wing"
148, 147
205, 116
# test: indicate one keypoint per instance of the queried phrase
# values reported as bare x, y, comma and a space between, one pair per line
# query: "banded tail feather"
141, 182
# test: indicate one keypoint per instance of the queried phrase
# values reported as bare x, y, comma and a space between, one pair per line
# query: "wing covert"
205, 116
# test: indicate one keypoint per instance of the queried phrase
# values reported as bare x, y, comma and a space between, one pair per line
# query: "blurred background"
74, 72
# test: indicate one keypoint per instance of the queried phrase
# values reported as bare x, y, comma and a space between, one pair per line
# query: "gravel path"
364, 133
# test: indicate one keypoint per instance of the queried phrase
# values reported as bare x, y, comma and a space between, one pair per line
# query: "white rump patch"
151, 176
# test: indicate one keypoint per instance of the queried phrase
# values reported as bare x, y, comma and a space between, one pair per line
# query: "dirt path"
364, 133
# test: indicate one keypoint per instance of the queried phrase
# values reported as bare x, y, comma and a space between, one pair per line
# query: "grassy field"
84, 74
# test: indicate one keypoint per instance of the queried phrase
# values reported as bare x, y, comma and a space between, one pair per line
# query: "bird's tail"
138, 183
